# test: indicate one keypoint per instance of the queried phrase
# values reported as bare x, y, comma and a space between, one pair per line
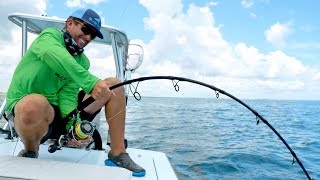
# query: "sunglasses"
86, 29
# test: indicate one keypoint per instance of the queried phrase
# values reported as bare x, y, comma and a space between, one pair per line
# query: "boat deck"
77, 163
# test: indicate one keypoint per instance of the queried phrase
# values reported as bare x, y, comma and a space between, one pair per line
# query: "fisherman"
46, 82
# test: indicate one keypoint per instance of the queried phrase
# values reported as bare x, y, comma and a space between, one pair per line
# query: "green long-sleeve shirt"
47, 68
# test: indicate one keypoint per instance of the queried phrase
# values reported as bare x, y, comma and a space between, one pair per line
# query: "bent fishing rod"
175, 81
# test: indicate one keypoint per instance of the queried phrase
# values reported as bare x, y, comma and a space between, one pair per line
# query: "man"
46, 82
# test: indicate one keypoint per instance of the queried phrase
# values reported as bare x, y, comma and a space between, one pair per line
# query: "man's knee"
31, 109
113, 81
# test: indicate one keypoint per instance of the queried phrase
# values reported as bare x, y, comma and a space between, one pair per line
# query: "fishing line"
218, 91
109, 119
15, 147
125, 9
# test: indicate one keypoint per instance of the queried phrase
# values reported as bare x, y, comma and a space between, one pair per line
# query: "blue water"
219, 138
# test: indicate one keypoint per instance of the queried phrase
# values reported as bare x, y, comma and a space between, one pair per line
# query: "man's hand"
101, 90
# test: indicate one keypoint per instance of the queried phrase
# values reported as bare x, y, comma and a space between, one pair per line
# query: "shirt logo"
61, 78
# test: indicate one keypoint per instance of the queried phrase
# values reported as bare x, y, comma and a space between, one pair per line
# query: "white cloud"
253, 15
278, 33
17, 6
41, 6
287, 67
94, 1
167, 7
194, 42
82, 3
74, 3
250, 63
180, 37
10, 37
289, 85
247, 3
8, 61
316, 77
190, 44
10, 54
212, 3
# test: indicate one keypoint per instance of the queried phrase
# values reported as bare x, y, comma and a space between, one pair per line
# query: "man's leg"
33, 114
115, 109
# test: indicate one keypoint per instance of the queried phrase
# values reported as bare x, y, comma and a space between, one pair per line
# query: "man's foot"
123, 160
28, 154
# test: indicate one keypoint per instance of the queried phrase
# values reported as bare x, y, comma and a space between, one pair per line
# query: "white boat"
76, 163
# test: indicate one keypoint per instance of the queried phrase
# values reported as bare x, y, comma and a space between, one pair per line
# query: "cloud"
274, 65
10, 53
182, 36
247, 3
188, 43
95, 2
37, 7
278, 33
316, 77
82, 3
192, 41
10, 37
74, 3
253, 15
164, 7
212, 3
291, 85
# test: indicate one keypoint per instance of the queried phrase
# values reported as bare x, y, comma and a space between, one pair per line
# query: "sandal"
123, 160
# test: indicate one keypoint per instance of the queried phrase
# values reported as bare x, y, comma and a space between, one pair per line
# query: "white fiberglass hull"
77, 164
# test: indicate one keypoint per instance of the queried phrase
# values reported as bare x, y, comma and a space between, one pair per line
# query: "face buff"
71, 44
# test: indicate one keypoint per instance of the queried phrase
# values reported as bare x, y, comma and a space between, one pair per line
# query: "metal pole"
2, 108
117, 58
24, 37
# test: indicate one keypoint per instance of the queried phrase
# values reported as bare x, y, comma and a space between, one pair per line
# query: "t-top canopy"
35, 24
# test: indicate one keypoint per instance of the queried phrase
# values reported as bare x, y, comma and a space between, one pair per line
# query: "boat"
77, 163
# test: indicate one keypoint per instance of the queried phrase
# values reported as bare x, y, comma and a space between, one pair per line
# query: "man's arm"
52, 51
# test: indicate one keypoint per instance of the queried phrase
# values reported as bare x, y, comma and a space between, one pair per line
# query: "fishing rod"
217, 92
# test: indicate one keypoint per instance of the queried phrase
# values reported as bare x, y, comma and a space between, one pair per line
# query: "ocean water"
220, 139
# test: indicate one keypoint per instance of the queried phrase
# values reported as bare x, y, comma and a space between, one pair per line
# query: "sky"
252, 49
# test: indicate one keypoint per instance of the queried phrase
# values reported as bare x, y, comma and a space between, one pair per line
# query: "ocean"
220, 139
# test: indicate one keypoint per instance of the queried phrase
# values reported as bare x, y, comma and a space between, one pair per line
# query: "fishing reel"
79, 136
81, 130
